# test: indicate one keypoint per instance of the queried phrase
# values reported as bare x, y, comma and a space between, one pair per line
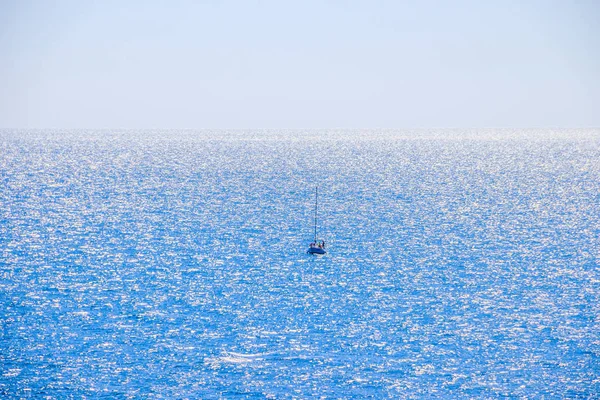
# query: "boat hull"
316, 250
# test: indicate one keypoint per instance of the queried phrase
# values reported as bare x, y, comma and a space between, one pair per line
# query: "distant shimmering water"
172, 264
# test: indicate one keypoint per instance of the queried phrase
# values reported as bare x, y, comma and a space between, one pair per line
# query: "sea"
172, 264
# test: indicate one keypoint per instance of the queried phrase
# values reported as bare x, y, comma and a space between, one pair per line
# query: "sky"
299, 64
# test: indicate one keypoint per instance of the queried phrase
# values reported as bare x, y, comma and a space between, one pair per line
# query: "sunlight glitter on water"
172, 264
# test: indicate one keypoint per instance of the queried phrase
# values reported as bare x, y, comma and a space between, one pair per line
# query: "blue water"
172, 264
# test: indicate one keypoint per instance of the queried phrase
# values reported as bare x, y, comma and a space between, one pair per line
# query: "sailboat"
317, 246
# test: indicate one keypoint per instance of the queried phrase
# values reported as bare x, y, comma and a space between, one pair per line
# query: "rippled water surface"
149, 264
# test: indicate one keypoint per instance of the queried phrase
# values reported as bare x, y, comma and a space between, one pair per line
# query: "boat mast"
316, 205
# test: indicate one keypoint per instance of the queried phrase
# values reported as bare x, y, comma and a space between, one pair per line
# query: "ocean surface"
172, 264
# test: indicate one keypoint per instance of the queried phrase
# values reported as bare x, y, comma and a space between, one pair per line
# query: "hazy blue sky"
300, 64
